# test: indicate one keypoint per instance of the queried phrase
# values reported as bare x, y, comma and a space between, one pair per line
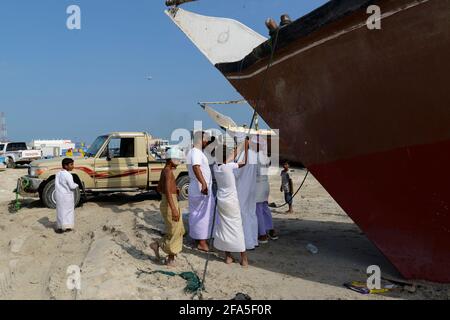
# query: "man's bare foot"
229, 259
203, 246
170, 262
244, 263
155, 247
244, 260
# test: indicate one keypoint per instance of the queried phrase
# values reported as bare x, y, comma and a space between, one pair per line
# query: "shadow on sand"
45, 221
344, 252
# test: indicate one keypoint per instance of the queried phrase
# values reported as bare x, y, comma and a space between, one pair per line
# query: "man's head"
174, 157
286, 165
67, 164
201, 139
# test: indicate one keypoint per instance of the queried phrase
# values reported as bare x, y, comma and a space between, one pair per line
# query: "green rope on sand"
193, 281
17, 205
22, 184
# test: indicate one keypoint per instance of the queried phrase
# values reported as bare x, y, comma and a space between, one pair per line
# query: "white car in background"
17, 153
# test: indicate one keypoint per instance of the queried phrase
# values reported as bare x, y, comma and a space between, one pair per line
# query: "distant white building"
52, 148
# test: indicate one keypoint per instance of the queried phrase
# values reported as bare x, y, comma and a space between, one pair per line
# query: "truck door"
118, 166
155, 169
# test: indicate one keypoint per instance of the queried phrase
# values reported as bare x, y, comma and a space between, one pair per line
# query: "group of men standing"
239, 196
242, 192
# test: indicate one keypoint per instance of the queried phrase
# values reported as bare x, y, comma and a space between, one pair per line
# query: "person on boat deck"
172, 243
201, 198
246, 188
229, 231
64, 196
287, 186
263, 213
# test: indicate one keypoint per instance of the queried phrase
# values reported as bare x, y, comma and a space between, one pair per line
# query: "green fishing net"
193, 281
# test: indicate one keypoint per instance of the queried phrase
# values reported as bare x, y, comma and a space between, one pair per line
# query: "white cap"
175, 154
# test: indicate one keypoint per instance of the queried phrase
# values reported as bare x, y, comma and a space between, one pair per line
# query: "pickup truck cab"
17, 153
115, 162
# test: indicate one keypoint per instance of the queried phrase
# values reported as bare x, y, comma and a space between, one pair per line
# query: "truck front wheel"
183, 185
49, 199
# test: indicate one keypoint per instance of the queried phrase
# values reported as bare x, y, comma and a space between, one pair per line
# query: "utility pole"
3, 132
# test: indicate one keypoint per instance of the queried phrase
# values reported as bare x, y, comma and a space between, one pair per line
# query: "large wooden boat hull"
368, 112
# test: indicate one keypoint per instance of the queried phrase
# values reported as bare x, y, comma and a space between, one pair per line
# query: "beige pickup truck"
115, 162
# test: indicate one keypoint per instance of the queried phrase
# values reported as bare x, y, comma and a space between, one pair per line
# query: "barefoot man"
201, 198
172, 243
65, 202
229, 232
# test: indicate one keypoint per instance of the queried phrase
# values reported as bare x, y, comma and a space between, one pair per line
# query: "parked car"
17, 153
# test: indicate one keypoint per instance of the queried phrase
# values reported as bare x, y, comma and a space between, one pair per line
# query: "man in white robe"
64, 196
246, 188
201, 197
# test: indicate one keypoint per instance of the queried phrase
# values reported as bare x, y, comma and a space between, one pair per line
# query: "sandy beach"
111, 246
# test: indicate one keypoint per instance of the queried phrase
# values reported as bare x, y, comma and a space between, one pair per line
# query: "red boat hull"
368, 112
400, 199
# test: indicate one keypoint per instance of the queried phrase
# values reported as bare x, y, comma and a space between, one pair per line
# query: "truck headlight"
35, 172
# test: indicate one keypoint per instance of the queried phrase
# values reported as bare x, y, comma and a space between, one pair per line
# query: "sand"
111, 247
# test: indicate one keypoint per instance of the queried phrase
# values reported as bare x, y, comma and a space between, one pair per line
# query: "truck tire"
48, 195
10, 163
183, 185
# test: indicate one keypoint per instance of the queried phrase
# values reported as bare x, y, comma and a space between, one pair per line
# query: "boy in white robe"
65, 200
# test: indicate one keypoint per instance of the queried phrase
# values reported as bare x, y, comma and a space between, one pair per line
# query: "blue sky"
58, 83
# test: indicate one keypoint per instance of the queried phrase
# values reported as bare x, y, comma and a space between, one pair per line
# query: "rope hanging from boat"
273, 205
255, 114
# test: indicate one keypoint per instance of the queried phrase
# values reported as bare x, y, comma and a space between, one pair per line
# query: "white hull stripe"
320, 42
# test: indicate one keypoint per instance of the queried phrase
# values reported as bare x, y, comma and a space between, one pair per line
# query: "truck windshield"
16, 146
95, 147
